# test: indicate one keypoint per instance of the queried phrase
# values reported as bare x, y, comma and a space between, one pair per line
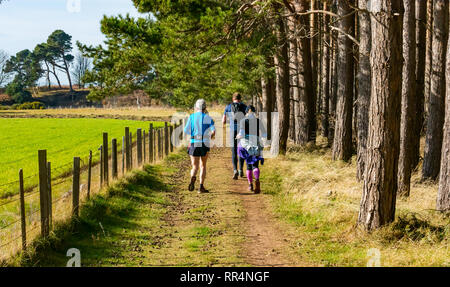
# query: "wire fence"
57, 193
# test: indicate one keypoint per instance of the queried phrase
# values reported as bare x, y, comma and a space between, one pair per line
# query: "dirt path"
242, 215
263, 244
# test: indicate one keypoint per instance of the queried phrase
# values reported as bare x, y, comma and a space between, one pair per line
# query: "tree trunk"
436, 107
47, 74
291, 135
307, 103
443, 198
421, 30
282, 84
380, 182
314, 45
319, 51
66, 68
325, 73
333, 81
429, 44
293, 66
363, 78
268, 96
342, 144
259, 103
409, 100
56, 76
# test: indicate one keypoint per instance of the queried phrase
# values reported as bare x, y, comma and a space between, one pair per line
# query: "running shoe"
192, 184
202, 189
257, 187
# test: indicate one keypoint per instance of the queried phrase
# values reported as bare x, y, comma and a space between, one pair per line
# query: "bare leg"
195, 160
203, 168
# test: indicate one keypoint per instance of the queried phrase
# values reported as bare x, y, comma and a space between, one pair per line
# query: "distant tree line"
27, 67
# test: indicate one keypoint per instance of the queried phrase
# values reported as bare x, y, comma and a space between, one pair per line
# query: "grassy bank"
113, 226
319, 199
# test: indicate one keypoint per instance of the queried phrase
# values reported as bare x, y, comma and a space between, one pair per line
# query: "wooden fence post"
43, 186
105, 159
166, 139
171, 138
49, 195
114, 158
139, 146
155, 146
150, 143
76, 187
123, 155
180, 140
22, 210
163, 141
101, 166
131, 150
159, 143
127, 148
144, 145
163, 148
89, 176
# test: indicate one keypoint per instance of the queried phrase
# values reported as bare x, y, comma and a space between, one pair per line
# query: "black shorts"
198, 150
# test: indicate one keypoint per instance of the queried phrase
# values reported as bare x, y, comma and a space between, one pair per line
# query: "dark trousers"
252, 166
234, 155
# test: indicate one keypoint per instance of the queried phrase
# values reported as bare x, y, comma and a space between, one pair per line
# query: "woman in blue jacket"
200, 126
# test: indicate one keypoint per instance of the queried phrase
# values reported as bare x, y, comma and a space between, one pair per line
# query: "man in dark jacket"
235, 111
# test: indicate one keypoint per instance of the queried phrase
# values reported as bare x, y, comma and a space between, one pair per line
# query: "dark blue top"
235, 118
199, 126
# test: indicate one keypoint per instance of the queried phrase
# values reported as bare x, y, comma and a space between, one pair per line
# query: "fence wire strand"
9, 224
11, 241
8, 202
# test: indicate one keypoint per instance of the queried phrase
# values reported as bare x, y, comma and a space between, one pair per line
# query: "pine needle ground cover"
319, 200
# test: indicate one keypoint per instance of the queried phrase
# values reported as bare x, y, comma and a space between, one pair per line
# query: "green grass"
21, 138
135, 223
113, 228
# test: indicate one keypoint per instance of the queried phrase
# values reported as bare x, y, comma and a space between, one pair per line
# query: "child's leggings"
252, 170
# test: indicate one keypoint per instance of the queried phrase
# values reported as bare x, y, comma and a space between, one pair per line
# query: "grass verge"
113, 227
319, 200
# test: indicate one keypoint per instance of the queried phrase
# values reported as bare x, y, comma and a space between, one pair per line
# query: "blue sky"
26, 23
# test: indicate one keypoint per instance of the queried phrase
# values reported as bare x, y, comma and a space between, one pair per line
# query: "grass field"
143, 113
21, 138
115, 113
